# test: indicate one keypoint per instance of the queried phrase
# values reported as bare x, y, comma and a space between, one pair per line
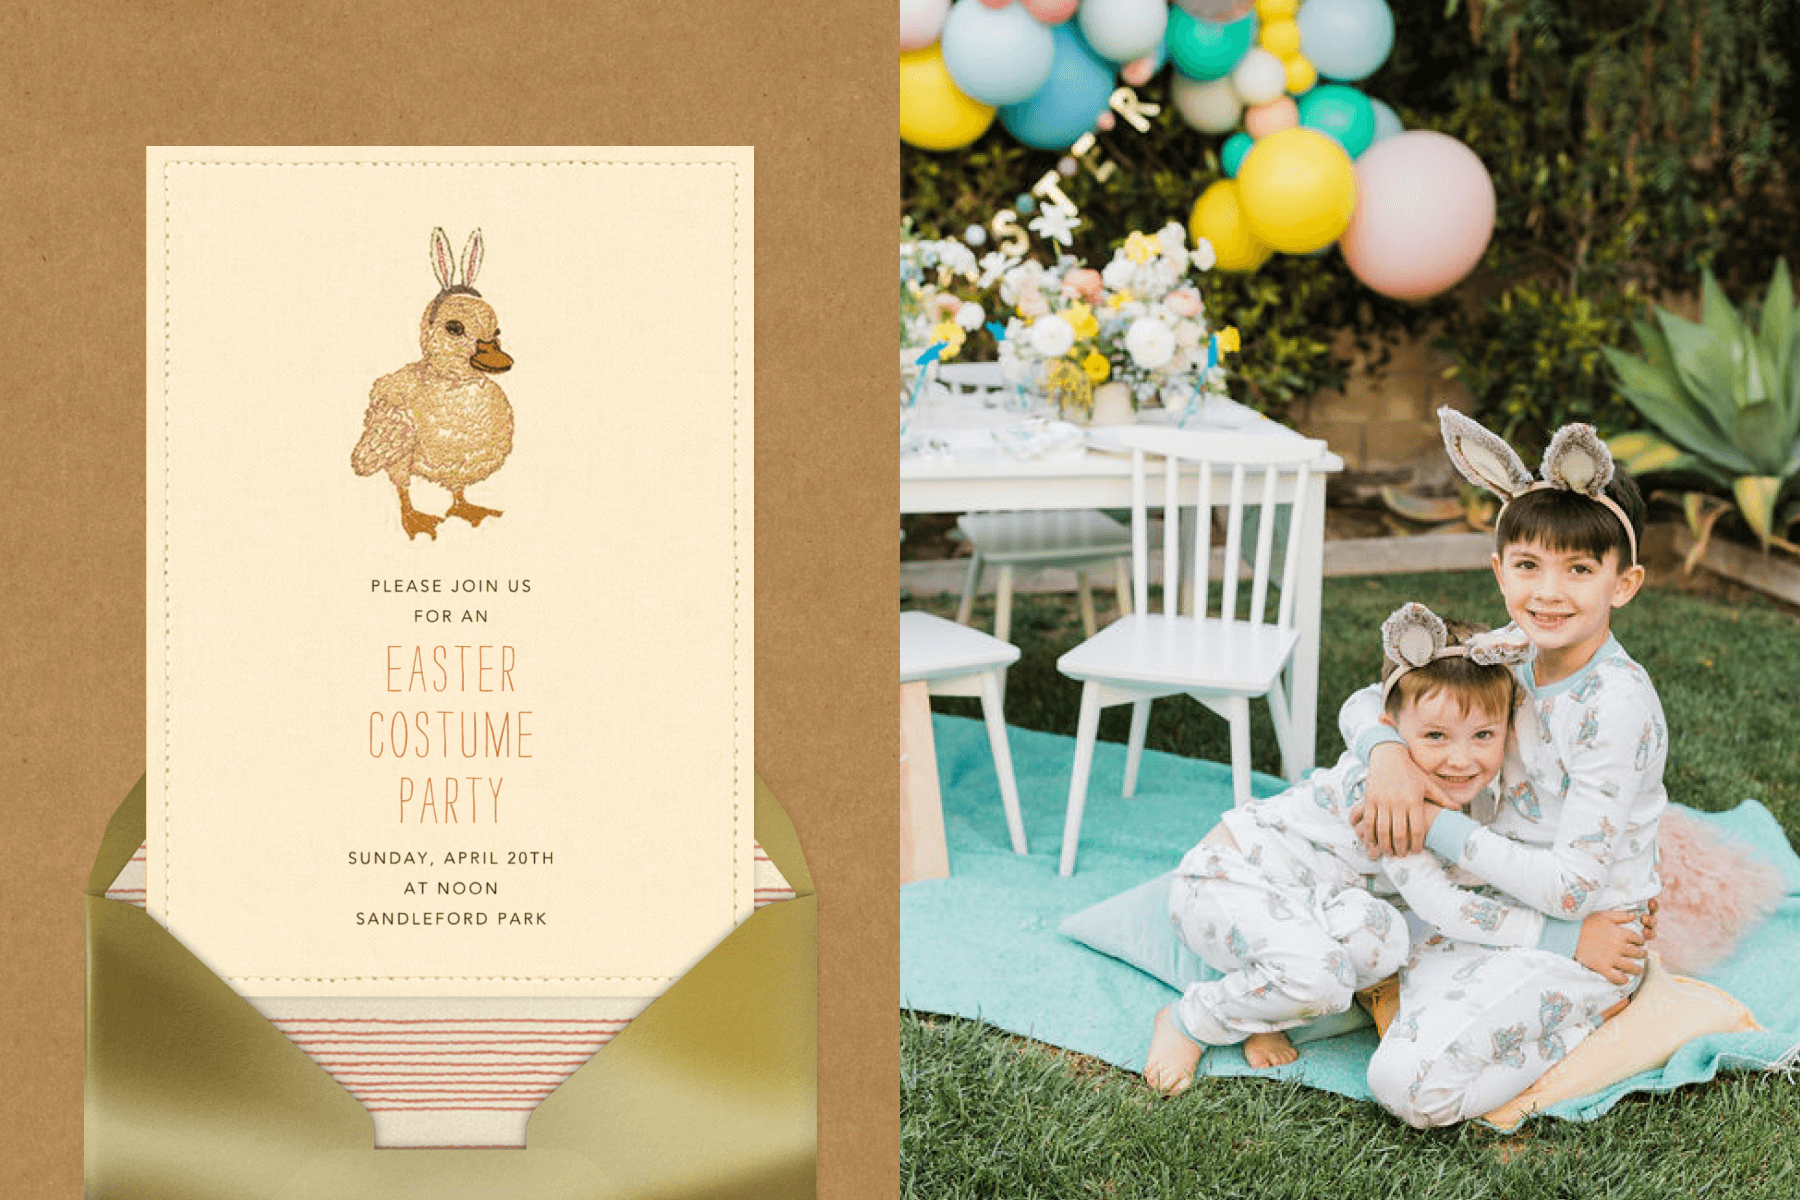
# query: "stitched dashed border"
738, 731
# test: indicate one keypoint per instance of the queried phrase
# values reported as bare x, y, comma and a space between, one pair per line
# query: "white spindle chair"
1221, 660
953, 660
1081, 540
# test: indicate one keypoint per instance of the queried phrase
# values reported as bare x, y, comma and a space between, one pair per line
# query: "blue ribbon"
930, 355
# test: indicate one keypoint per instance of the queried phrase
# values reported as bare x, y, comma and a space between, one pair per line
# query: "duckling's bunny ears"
1483, 457
471, 259
1413, 636
441, 261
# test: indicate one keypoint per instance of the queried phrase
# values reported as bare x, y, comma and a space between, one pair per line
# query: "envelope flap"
124, 834
775, 833
189, 1091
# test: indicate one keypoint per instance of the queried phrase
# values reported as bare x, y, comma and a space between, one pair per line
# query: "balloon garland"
1310, 160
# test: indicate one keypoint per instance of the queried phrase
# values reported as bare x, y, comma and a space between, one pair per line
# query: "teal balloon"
1231, 154
1080, 85
1207, 50
1387, 121
1343, 112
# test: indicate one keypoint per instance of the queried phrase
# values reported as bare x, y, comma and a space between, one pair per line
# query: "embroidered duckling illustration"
443, 418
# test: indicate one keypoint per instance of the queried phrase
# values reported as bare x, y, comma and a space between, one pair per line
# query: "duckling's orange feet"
472, 513
416, 522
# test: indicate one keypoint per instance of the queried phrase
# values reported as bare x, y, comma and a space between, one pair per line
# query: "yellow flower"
1096, 366
950, 333
1140, 249
1119, 299
1228, 340
1081, 319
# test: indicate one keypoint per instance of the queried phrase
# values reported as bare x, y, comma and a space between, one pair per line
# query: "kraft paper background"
811, 84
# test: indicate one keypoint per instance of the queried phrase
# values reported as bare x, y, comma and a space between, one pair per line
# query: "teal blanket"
984, 943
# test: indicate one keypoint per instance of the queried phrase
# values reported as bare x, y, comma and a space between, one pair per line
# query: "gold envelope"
709, 1092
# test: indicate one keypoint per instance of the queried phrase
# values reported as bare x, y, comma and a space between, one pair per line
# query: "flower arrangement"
931, 313
1139, 321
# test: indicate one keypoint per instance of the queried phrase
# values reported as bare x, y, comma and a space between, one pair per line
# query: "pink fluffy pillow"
1713, 892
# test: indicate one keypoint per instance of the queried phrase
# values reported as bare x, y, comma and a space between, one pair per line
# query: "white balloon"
1211, 106
1122, 30
921, 21
1259, 77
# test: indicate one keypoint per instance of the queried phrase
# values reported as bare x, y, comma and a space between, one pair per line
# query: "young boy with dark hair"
1581, 790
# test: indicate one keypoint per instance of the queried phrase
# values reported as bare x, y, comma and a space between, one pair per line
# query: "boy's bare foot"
1269, 1050
1169, 1064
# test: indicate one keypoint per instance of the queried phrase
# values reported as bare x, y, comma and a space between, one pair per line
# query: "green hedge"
1631, 143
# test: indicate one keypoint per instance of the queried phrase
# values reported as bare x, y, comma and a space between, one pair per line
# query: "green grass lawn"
988, 1114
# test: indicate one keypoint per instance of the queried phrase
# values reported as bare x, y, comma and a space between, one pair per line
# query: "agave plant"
1725, 400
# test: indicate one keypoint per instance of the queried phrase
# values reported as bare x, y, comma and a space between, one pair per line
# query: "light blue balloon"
996, 55
1346, 39
1387, 121
1080, 84
1231, 154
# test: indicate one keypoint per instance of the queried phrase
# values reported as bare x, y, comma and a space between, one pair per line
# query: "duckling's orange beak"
490, 357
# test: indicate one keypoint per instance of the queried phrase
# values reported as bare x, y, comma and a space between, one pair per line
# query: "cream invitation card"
449, 609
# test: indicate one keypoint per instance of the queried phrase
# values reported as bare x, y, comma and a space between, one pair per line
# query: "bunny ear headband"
1414, 636
1576, 461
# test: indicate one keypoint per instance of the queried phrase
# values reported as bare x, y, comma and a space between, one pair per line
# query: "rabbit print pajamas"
1574, 834
1297, 917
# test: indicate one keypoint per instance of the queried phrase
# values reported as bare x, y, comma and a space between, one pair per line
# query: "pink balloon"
996, 3
1424, 214
1138, 71
1051, 12
1272, 117
921, 21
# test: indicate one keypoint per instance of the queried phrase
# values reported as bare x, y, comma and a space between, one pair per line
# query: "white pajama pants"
1479, 1025
1293, 938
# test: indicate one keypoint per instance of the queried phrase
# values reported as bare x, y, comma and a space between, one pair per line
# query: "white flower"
994, 264
1150, 342
1117, 273
1051, 336
1187, 334
1204, 255
1055, 224
969, 316
958, 258
1026, 276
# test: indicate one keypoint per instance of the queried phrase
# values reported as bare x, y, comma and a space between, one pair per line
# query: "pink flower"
1184, 303
1032, 303
1086, 283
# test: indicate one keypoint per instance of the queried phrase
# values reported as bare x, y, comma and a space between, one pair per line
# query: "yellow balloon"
1301, 74
934, 113
1281, 37
1219, 218
1270, 10
1298, 190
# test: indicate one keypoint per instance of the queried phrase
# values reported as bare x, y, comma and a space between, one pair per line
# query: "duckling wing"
388, 438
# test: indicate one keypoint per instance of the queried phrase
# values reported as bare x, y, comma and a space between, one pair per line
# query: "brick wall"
1385, 421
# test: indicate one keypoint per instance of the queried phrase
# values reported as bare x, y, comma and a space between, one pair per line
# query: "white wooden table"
978, 481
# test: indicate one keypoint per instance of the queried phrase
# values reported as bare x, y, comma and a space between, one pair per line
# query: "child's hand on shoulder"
1399, 803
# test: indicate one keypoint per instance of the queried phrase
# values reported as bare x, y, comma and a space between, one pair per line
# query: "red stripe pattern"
451, 1073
